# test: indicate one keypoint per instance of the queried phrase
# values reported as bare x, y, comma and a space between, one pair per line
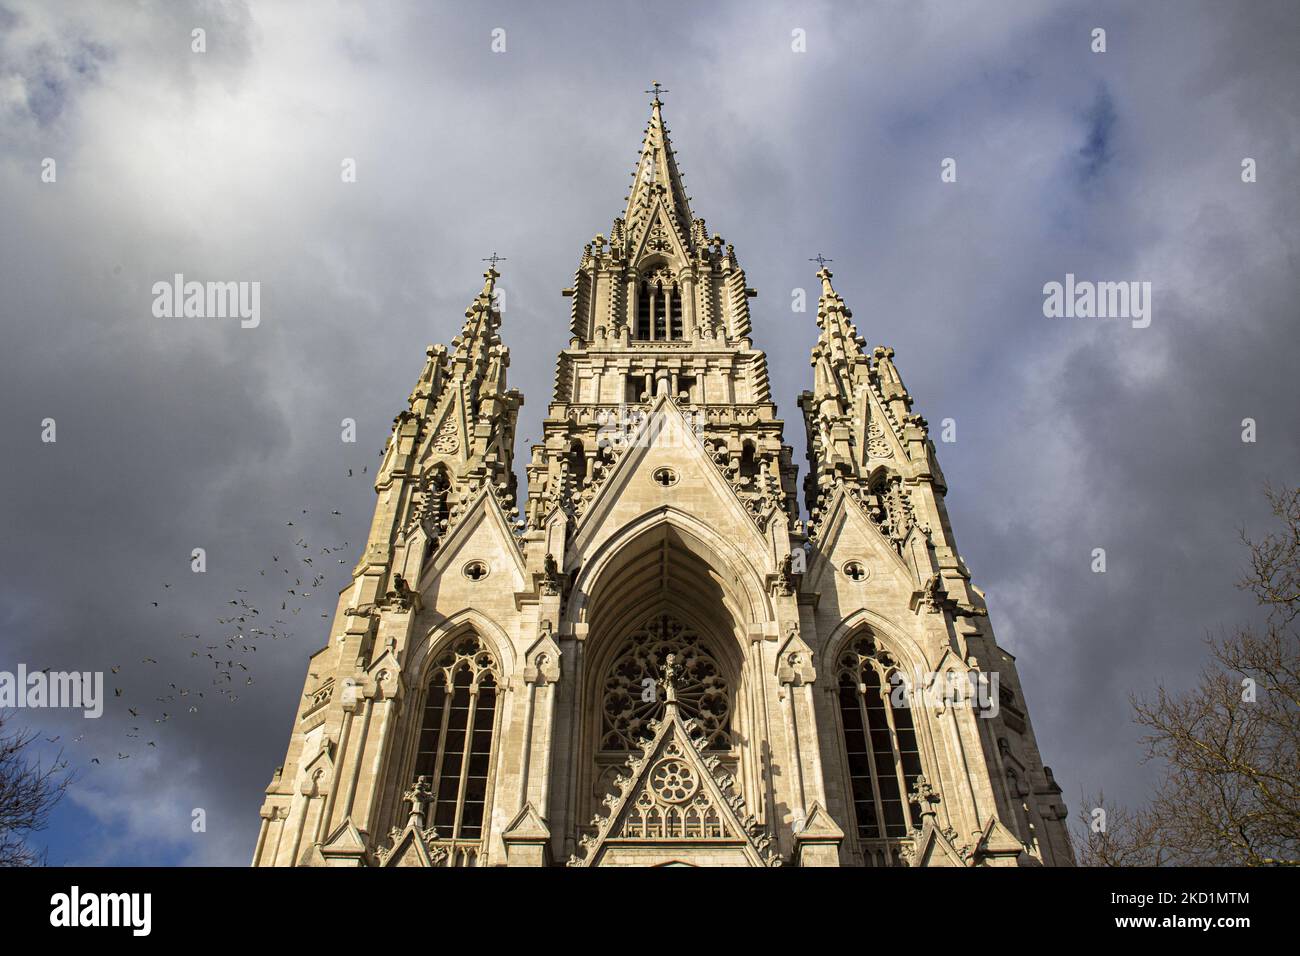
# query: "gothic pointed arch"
458, 731
451, 739
900, 643
692, 540
658, 304
658, 592
882, 756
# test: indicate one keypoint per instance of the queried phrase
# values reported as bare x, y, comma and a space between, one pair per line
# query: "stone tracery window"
889, 505
879, 741
457, 735
632, 697
659, 307
674, 806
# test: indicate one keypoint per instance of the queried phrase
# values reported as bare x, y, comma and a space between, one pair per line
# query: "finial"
656, 91
491, 275
824, 273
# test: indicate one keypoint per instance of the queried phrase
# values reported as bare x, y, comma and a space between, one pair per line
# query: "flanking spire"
458, 434
839, 349
855, 417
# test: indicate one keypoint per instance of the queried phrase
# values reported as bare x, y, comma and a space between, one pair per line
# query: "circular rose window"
664, 477
674, 780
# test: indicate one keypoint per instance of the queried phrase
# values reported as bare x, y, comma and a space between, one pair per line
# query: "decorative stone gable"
675, 804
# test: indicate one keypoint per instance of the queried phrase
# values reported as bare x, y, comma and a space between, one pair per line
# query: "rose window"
633, 696
673, 780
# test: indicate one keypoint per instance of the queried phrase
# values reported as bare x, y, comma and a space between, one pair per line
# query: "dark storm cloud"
183, 433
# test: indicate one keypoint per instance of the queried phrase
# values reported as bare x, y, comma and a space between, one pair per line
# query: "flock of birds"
223, 665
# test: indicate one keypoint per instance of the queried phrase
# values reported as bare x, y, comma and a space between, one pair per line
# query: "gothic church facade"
652, 659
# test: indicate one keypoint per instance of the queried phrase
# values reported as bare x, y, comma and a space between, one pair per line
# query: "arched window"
879, 741
748, 463
643, 311
675, 315
631, 692
577, 463
658, 307
456, 737
889, 505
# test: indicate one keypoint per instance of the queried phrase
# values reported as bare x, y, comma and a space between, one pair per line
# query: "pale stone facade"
654, 660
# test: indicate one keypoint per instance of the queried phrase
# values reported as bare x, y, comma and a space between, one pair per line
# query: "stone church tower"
653, 659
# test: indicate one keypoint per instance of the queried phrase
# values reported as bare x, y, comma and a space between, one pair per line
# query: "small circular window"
475, 570
855, 571
664, 477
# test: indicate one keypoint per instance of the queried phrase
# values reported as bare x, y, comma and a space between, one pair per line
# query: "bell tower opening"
658, 307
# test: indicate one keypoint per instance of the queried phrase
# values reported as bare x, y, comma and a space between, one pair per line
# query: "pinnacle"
826, 275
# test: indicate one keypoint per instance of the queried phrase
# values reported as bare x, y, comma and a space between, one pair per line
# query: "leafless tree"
1229, 794
29, 791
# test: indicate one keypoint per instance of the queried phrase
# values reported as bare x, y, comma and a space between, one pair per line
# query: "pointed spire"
839, 338
485, 303
479, 339
656, 172
826, 275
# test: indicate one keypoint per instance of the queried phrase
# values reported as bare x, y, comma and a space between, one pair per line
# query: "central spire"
656, 173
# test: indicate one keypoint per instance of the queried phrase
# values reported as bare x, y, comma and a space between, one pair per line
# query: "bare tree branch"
1230, 746
29, 791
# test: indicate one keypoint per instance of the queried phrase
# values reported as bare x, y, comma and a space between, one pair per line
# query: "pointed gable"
480, 531
660, 235
935, 847
692, 481
410, 849
675, 804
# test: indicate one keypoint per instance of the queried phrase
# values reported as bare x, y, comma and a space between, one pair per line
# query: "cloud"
176, 434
